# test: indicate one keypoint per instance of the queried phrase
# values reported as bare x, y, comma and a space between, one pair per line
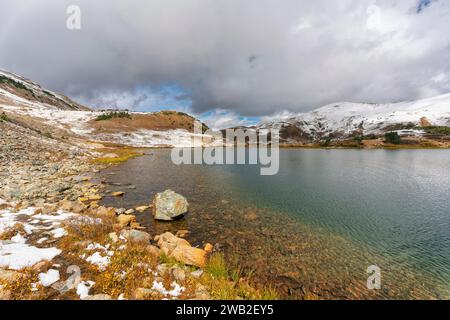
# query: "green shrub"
409, 126
392, 137
370, 137
3, 117
48, 93
358, 139
48, 134
113, 114
17, 84
437, 130
325, 143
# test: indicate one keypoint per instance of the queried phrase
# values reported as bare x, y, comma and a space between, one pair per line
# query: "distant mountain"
16, 88
346, 119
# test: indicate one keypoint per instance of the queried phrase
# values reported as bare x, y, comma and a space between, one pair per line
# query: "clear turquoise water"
324, 217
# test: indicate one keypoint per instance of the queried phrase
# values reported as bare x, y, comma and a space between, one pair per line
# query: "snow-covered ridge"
346, 117
39, 94
77, 121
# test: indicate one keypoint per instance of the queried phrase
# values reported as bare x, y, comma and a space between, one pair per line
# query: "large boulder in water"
169, 205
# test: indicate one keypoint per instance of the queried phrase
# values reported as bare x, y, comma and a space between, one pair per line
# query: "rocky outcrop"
169, 205
181, 250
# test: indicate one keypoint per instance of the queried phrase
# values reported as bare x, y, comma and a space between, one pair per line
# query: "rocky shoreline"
58, 242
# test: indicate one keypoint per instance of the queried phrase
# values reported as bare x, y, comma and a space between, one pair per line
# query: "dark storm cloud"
253, 57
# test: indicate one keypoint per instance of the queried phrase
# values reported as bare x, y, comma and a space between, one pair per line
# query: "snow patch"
16, 254
100, 261
83, 288
59, 233
48, 278
175, 292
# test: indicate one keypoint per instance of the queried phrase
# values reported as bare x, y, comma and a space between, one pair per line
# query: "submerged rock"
182, 233
169, 205
142, 208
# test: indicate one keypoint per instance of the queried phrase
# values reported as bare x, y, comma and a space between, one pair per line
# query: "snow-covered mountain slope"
28, 104
346, 119
18, 89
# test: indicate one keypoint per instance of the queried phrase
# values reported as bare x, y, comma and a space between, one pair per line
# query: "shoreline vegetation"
373, 144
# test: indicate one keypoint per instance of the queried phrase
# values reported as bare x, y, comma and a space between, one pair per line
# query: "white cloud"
222, 119
277, 116
142, 99
300, 26
252, 57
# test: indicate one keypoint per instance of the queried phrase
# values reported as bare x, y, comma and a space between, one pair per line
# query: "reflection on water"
312, 230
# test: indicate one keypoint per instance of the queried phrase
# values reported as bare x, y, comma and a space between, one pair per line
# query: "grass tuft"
123, 155
225, 282
3, 117
216, 266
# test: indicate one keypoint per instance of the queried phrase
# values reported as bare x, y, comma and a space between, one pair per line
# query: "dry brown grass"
127, 271
12, 231
132, 266
90, 227
21, 287
128, 267
163, 120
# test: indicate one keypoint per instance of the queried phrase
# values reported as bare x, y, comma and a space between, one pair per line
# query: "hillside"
27, 104
18, 90
340, 121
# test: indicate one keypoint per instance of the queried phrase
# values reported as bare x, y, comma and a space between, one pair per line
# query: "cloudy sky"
229, 61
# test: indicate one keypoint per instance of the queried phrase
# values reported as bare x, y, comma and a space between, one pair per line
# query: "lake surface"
312, 230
